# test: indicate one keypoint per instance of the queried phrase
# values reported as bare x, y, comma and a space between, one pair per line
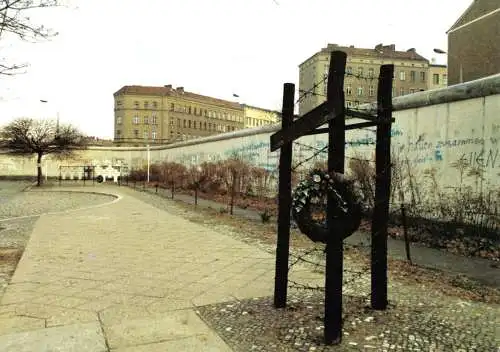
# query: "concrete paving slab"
71, 338
198, 343
170, 326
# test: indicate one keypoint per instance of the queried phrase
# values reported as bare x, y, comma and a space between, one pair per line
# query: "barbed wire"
362, 76
304, 93
323, 150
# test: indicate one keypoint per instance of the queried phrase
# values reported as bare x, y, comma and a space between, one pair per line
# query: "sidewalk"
125, 277
475, 268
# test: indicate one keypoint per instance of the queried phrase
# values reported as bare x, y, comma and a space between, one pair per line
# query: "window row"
257, 122
186, 109
145, 134
436, 79
203, 125
146, 105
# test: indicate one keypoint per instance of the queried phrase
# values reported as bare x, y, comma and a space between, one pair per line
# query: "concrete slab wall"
433, 131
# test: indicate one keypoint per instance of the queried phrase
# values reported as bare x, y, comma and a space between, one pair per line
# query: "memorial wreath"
313, 191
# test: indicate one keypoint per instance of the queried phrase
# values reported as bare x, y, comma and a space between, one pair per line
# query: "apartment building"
160, 115
411, 72
474, 42
438, 76
255, 117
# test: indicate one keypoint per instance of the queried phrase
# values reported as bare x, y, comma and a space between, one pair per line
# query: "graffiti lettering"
451, 143
482, 158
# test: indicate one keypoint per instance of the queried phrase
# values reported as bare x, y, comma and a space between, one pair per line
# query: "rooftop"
179, 92
379, 52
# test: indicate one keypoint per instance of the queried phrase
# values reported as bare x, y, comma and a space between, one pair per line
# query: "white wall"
433, 129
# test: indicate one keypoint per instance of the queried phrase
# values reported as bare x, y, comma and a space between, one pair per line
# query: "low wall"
434, 131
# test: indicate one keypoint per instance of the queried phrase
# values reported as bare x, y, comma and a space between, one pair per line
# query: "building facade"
161, 115
255, 117
474, 44
362, 69
438, 76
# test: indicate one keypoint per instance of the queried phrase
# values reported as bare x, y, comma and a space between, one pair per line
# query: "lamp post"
149, 161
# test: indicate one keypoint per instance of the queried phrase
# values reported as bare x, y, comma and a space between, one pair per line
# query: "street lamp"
149, 160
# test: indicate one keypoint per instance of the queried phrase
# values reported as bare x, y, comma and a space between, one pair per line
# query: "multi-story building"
255, 116
438, 76
362, 69
474, 44
148, 115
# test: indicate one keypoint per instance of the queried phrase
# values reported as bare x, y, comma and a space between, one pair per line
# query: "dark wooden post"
382, 190
336, 160
284, 201
405, 232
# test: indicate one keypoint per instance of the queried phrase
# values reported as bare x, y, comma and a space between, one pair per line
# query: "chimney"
180, 90
391, 47
169, 86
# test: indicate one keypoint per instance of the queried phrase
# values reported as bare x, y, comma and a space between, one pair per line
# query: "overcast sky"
210, 47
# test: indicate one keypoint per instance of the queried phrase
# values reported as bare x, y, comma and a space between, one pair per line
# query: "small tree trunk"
39, 169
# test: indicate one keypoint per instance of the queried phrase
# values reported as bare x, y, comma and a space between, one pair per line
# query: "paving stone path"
127, 276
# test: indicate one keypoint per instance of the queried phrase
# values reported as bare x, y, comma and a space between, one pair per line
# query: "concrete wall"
433, 130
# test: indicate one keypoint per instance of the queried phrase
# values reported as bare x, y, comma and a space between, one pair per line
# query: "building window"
412, 90
401, 91
153, 134
146, 105
145, 134
206, 113
195, 111
348, 90
360, 71
119, 103
371, 73
189, 124
136, 104
189, 110
153, 119
205, 126
371, 91
445, 79
194, 124
155, 105
360, 91
402, 75
146, 120
184, 123
118, 120
136, 133
209, 126
178, 122
172, 107
118, 133
422, 76
413, 76
435, 78
135, 120
349, 70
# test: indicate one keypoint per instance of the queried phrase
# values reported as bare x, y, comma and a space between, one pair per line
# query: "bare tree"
15, 22
27, 136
